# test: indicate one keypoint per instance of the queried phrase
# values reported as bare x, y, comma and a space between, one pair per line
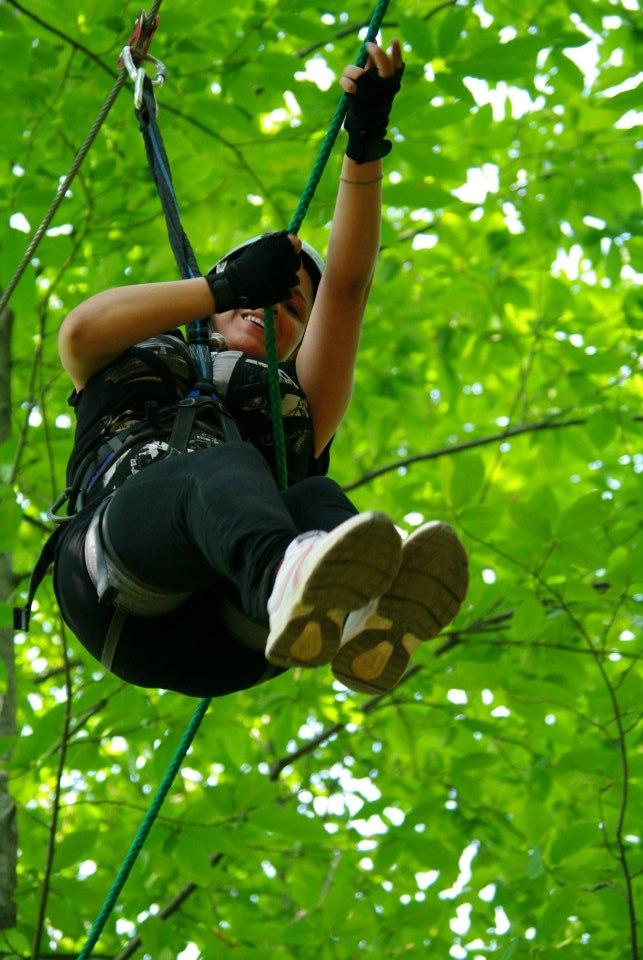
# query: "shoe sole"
358, 561
425, 596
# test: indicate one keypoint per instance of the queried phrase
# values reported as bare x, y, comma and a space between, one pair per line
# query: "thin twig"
622, 747
170, 907
36, 368
538, 645
321, 738
50, 28
56, 671
353, 28
51, 842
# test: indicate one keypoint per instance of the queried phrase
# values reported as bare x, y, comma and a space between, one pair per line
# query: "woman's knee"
318, 503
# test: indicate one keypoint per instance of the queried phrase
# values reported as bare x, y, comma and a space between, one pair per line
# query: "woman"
185, 554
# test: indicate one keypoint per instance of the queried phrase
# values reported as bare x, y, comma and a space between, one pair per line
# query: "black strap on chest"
200, 398
157, 159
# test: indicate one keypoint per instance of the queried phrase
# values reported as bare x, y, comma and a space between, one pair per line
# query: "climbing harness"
173, 423
159, 165
119, 587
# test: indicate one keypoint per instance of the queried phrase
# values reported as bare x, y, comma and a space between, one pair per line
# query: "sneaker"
431, 584
321, 578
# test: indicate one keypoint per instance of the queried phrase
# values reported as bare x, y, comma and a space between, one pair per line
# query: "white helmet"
312, 261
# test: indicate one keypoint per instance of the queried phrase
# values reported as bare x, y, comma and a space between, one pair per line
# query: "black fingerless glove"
263, 274
367, 115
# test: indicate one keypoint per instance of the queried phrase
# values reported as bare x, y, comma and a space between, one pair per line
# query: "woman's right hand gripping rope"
262, 275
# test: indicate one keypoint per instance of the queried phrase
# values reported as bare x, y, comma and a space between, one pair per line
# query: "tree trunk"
8, 832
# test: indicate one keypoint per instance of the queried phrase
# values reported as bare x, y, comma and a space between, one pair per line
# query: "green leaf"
620, 103
451, 30
528, 618
601, 426
576, 838
402, 194
419, 34
511, 950
534, 518
596, 763
287, 823
535, 867
467, 480
451, 115
584, 515
509, 61
75, 848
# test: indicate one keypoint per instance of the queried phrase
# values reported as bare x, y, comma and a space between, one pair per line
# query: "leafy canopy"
488, 806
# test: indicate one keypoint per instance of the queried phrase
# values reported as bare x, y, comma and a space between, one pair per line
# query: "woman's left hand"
386, 64
370, 91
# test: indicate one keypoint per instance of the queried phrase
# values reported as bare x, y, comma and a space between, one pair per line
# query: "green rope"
293, 227
335, 125
144, 829
280, 452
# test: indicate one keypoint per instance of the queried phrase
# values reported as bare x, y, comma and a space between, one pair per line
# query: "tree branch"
461, 447
356, 27
312, 744
8, 832
50, 28
581, 651
56, 671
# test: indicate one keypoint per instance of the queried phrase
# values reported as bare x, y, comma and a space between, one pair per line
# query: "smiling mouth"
252, 317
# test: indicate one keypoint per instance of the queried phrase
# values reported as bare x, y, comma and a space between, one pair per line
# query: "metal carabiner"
138, 73
54, 517
160, 70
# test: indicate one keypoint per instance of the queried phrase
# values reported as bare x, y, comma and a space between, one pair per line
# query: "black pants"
209, 521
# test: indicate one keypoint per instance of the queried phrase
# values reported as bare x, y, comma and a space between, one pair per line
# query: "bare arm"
326, 359
102, 327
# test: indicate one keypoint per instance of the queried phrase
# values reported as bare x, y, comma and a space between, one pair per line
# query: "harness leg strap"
112, 637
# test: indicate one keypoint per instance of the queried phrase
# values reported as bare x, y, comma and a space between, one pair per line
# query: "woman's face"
243, 329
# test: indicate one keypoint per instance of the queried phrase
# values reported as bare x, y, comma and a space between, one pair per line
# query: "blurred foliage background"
490, 806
